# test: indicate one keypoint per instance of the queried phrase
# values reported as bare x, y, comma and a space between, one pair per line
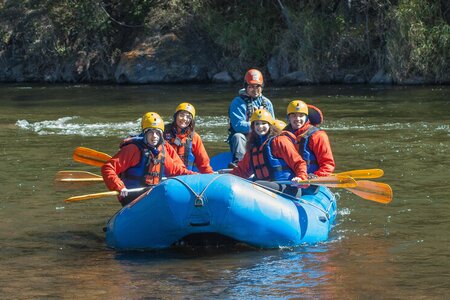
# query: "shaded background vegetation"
405, 38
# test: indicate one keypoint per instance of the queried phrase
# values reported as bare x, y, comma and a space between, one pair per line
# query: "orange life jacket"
149, 170
182, 145
268, 167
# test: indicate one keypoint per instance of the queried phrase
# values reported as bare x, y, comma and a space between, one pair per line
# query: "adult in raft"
142, 161
271, 156
250, 98
312, 142
181, 135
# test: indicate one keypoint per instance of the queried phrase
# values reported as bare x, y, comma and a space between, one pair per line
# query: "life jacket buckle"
177, 142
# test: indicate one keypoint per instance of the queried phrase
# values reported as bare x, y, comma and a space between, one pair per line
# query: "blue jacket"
239, 116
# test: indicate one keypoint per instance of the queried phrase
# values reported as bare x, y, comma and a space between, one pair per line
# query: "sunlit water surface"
52, 249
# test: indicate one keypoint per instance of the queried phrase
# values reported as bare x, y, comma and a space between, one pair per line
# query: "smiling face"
297, 120
184, 119
152, 136
254, 90
261, 127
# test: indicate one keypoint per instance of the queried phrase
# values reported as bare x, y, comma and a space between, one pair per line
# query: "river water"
52, 249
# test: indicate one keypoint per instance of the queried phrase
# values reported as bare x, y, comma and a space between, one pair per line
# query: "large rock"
165, 59
294, 78
277, 66
353, 78
381, 77
222, 77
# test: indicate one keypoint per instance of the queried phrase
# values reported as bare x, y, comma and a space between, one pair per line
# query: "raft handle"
200, 224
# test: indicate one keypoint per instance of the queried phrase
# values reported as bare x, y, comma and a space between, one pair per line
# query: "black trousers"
284, 188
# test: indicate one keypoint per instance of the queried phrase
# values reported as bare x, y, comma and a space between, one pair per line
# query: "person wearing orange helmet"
271, 155
142, 161
181, 135
250, 98
313, 143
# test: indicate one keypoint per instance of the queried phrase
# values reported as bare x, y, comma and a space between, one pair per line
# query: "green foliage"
420, 42
242, 30
406, 38
171, 15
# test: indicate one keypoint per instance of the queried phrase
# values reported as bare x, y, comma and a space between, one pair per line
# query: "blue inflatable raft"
225, 205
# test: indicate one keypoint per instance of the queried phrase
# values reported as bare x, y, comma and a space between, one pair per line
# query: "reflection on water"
52, 249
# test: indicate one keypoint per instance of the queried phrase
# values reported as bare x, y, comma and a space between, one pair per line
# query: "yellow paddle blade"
363, 174
77, 176
374, 191
90, 156
91, 196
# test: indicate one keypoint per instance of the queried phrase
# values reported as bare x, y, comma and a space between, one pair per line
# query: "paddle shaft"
357, 174
363, 174
77, 176
100, 195
333, 181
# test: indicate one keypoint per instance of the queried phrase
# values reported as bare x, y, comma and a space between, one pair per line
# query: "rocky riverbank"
85, 43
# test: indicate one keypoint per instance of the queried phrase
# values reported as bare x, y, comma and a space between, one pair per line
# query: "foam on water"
76, 125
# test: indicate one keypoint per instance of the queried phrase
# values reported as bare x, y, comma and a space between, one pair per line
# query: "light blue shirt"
238, 112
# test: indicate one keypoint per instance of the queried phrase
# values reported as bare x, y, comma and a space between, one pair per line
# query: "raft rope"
199, 197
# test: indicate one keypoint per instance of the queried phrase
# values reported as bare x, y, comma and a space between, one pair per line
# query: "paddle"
374, 191
370, 190
77, 176
366, 189
363, 174
333, 181
90, 156
99, 195
358, 174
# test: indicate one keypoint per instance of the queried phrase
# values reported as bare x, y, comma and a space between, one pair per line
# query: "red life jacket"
183, 145
268, 167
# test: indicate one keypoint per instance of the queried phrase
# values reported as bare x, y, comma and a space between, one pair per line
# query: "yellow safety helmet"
152, 120
297, 106
261, 115
187, 107
279, 124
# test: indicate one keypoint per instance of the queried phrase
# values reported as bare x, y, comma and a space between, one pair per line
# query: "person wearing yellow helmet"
279, 124
181, 135
241, 108
313, 143
142, 161
271, 155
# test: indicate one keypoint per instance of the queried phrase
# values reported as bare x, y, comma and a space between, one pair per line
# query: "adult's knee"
238, 138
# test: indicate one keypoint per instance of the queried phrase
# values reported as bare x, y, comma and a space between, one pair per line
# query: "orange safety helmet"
187, 107
261, 115
297, 106
152, 120
254, 76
